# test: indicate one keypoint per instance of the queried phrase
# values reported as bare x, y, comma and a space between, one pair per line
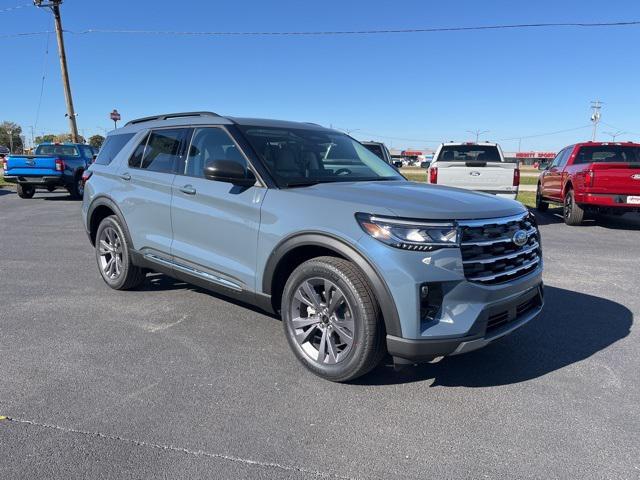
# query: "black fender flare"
103, 201
344, 249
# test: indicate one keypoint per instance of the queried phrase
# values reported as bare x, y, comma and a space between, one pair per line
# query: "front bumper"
496, 320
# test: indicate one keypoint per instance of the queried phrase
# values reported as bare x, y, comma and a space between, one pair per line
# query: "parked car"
303, 220
475, 166
52, 165
592, 177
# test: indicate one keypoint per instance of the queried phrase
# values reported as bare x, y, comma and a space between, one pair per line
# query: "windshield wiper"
302, 183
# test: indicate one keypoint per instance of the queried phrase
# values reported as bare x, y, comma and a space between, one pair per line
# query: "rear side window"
609, 154
111, 147
160, 151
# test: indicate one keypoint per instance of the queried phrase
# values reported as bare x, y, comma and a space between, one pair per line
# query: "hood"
415, 200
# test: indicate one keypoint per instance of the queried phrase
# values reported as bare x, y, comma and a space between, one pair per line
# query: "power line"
17, 7
340, 32
544, 134
44, 74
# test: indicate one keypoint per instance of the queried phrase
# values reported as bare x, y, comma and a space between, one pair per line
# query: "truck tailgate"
31, 165
620, 178
486, 176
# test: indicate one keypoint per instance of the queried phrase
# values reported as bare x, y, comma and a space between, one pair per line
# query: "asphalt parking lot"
175, 382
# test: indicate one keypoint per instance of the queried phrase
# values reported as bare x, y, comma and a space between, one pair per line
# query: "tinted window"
303, 156
609, 154
111, 147
210, 144
136, 158
163, 150
66, 150
377, 149
469, 153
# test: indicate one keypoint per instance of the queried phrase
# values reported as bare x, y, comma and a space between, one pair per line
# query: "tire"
313, 324
541, 205
572, 212
114, 258
25, 191
76, 189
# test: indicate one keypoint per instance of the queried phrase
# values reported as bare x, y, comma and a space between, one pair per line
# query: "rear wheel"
114, 257
541, 205
25, 191
76, 189
331, 319
573, 213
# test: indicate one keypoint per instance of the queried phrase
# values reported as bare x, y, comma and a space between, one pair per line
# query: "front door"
215, 224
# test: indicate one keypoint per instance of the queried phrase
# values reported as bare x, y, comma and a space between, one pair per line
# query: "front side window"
207, 145
298, 156
111, 147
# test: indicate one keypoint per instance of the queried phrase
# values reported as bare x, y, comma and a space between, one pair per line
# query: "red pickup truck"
600, 177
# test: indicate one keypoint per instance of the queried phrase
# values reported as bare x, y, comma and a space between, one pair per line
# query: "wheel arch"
294, 250
100, 208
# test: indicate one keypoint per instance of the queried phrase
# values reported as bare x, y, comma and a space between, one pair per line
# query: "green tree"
66, 138
14, 139
48, 138
96, 141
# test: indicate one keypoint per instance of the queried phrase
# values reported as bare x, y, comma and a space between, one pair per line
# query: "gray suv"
305, 221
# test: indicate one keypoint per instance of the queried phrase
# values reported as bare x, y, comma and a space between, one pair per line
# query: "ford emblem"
474, 173
520, 238
636, 176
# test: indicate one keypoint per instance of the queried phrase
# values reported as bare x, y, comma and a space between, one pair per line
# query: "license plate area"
633, 199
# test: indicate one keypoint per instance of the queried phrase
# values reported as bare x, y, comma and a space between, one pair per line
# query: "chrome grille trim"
524, 251
506, 272
530, 232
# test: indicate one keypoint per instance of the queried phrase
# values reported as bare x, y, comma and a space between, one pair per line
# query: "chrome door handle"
125, 176
188, 189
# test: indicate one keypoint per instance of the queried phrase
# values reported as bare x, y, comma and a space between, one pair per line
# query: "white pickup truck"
475, 166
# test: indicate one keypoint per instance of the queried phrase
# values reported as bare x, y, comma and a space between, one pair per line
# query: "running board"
195, 272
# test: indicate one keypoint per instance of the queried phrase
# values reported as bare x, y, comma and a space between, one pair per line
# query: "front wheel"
25, 191
573, 213
114, 258
332, 320
541, 205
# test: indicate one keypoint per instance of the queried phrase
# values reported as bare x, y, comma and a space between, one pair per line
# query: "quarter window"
211, 144
111, 147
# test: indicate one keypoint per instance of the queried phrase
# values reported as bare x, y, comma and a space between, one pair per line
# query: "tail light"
86, 175
433, 175
4, 164
589, 178
59, 165
516, 177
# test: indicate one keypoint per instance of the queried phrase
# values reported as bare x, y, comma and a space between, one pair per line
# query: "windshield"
608, 154
66, 150
469, 153
301, 157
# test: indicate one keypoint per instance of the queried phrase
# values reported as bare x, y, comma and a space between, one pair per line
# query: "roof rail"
166, 116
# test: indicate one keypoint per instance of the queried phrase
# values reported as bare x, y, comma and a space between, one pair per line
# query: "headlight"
409, 234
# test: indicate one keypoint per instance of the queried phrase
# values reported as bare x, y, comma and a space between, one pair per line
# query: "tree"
59, 138
96, 141
11, 140
48, 138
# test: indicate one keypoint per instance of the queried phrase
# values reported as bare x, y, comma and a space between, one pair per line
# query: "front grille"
489, 254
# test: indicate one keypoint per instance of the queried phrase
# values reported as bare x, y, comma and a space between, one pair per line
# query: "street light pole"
54, 6
614, 134
477, 133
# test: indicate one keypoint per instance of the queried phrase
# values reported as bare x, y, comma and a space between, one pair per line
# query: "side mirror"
543, 165
425, 164
230, 172
397, 163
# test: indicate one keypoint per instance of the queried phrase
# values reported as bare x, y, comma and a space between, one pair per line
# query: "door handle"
125, 176
188, 189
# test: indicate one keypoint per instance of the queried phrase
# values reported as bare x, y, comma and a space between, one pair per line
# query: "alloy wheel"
322, 321
110, 250
568, 205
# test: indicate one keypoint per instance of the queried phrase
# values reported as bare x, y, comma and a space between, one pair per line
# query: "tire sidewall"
318, 269
113, 222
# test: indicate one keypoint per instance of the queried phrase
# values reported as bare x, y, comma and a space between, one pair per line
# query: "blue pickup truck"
53, 165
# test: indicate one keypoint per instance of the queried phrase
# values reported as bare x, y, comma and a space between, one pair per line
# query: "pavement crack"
187, 451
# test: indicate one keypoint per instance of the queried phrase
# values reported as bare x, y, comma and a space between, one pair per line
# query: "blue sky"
425, 86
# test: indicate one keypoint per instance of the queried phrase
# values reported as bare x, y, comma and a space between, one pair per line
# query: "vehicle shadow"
572, 327
5, 191
628, 221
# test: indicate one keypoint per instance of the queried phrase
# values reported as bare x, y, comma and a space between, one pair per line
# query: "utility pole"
54, 6
10, 132
615, 134
477, 133
596, 105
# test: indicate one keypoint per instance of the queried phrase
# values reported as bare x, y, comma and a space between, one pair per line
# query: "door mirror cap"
230, 172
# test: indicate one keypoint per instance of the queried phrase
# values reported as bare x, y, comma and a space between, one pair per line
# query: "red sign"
535, 154
411, 153
115, 116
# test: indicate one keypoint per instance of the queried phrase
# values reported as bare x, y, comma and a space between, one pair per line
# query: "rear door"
143, 189
215, 224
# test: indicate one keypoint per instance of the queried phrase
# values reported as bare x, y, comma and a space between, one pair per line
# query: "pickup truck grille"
489, 253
